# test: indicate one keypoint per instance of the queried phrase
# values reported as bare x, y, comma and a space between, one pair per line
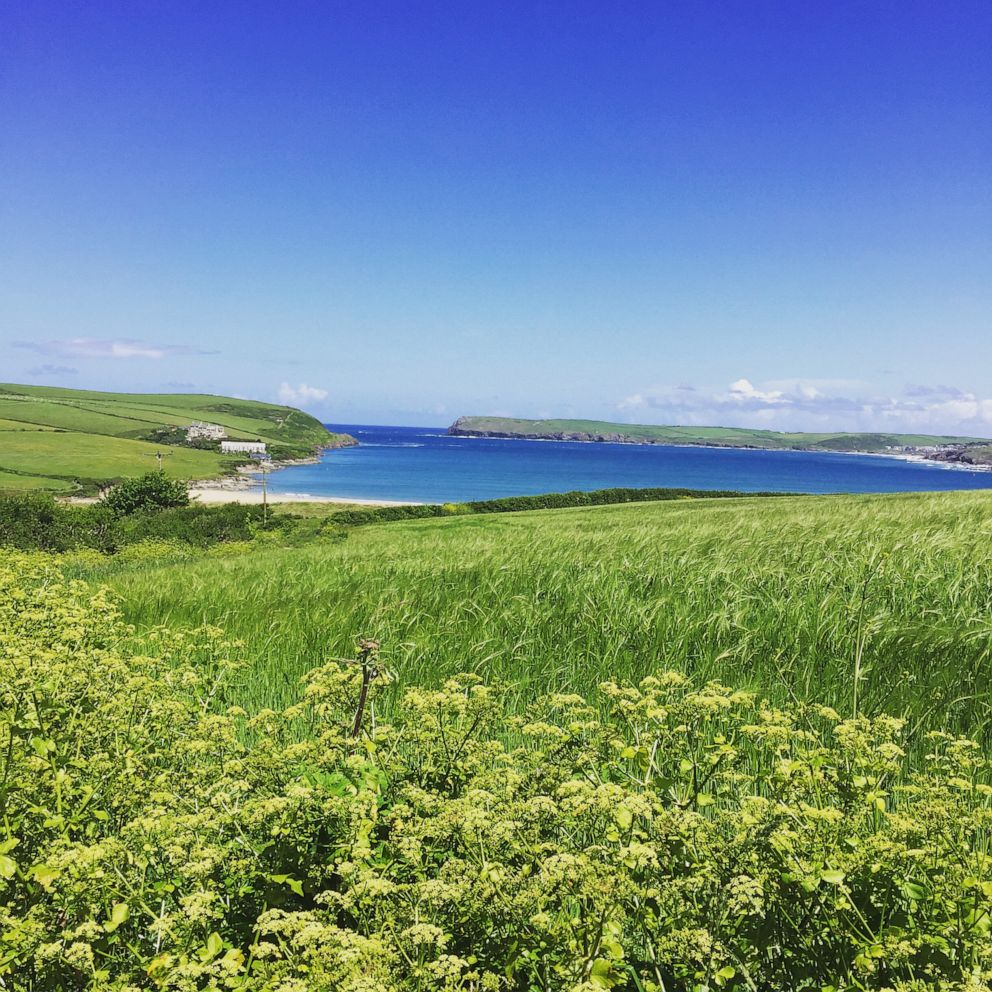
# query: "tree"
152, 491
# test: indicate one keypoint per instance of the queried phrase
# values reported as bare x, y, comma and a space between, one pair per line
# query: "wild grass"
310, 511
870, 604
693, 837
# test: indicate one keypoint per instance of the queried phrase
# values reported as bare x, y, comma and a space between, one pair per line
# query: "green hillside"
737, 437
71, 439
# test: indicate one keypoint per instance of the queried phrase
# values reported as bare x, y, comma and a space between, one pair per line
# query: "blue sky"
770, 214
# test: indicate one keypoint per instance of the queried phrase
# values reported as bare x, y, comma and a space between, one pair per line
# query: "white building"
242, 447
212, 432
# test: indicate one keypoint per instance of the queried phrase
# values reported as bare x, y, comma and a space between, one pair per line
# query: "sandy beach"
253, 496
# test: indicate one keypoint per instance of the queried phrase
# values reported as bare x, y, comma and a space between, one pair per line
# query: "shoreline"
904, 456
246, 488
251, 496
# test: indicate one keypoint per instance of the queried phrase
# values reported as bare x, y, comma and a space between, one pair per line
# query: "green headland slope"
734, 437
73, 439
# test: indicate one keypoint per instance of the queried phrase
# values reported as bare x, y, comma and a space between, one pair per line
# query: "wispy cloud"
817, 405
47, 369
113, 348
935, 392
296, 395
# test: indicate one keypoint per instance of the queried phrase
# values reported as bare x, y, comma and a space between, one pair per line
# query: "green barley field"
484, 832
869, 604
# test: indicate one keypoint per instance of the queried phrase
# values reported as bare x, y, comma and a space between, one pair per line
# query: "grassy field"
69, 438
679, 835
874, 603
31, 483
732, 436
84, 455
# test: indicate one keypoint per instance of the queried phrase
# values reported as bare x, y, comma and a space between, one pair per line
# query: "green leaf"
602, 974
45, 875
914, 891
295, 884
833, 876
7, 866
118, 915
41, 746
214, 945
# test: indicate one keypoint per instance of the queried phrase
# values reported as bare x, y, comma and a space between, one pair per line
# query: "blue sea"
423, 464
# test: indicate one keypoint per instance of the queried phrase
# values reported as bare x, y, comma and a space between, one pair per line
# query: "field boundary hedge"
543, 501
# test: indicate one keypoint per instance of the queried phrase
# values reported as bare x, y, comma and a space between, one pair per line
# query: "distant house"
243, 447
211, 432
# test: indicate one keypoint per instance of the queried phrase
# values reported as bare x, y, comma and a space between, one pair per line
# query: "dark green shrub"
37, 522
378, 514
193, 524
204, 526
96, 527
599, 497
34, 521
152, 491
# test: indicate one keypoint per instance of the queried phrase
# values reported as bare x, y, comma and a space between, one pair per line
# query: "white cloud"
818, 405
301, 394
117, 348
743, 392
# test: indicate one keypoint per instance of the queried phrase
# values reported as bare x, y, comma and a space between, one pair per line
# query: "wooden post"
265, 495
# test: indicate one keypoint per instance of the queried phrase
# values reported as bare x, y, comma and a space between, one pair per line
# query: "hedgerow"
38, 522
543, 501
666, 836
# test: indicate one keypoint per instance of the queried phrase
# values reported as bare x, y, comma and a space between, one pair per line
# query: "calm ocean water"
422, 464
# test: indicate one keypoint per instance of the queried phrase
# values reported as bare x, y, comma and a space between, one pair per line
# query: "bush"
694, 838
195, 524
37, 522
34, 521
152, 491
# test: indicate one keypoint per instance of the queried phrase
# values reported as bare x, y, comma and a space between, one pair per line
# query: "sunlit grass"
783, 596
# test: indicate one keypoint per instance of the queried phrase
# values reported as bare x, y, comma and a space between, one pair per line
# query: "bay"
423, 464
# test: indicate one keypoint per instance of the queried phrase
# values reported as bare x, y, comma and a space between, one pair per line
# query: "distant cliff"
724, 437
967, 455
